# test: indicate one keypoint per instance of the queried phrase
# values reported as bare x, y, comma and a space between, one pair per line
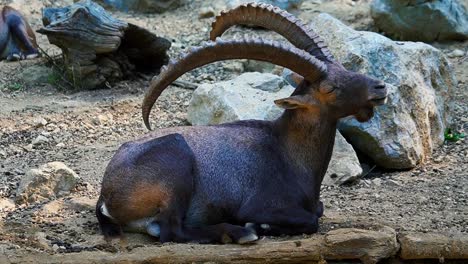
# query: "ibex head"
326, 85
339, 92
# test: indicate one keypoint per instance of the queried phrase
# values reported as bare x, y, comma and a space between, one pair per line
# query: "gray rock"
377, 182
147, 6
6, 205
237, 99
258, 66
406, 130
344, 165
234, 66
251, 96
456, 53
283, 4
424, 20
40, 239
39, 140
102, 119
55, 247
39, 122
49, 181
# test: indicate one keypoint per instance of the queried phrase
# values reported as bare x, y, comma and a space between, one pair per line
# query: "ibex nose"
378, 95
380, 86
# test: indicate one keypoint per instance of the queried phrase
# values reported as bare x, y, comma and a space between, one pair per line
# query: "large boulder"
283, 4
405, 130
424, 20
251, 96
49, 181
146, 6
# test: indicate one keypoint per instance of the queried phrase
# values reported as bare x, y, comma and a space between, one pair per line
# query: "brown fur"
144, 200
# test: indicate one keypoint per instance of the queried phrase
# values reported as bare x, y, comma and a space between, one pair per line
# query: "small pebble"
456, 53
39, 122
55, 247
206, 12
40, 140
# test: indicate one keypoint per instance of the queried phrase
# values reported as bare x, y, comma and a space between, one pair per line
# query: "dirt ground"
85, 128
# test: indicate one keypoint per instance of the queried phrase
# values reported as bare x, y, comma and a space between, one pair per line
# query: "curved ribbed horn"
275, 19
274, 52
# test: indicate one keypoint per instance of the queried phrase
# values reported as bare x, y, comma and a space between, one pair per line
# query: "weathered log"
98, 48
433, 246
369, 246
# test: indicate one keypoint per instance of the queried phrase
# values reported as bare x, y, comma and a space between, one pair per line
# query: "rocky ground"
42, 121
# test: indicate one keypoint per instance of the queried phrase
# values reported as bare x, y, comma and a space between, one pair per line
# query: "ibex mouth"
379, 101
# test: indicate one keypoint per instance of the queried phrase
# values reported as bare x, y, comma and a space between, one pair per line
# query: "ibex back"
235, 181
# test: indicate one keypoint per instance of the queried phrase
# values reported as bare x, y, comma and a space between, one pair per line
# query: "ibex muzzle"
235, 181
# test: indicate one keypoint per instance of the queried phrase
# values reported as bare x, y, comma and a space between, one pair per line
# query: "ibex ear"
296, 101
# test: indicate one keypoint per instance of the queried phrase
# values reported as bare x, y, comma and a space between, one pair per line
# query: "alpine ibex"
17, 39
234, 181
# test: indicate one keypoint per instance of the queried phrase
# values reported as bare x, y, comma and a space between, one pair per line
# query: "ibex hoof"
153, 229
247, 239
32, 56
14, 57
250, 225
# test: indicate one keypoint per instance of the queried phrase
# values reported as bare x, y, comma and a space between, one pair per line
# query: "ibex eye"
327, 89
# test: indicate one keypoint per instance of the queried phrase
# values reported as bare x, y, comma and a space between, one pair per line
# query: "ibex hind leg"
268, 229
12, 52
109, 229
221, 233
20, 34
320, 209
145, 226
173, 231
282, 222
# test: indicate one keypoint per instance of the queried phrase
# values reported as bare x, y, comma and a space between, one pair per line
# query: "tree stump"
98, 48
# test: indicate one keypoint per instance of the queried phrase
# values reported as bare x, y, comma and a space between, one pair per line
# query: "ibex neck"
308, 141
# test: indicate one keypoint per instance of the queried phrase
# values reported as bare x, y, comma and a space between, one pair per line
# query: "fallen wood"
98, 48
433, 246
368, 246
185, 85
